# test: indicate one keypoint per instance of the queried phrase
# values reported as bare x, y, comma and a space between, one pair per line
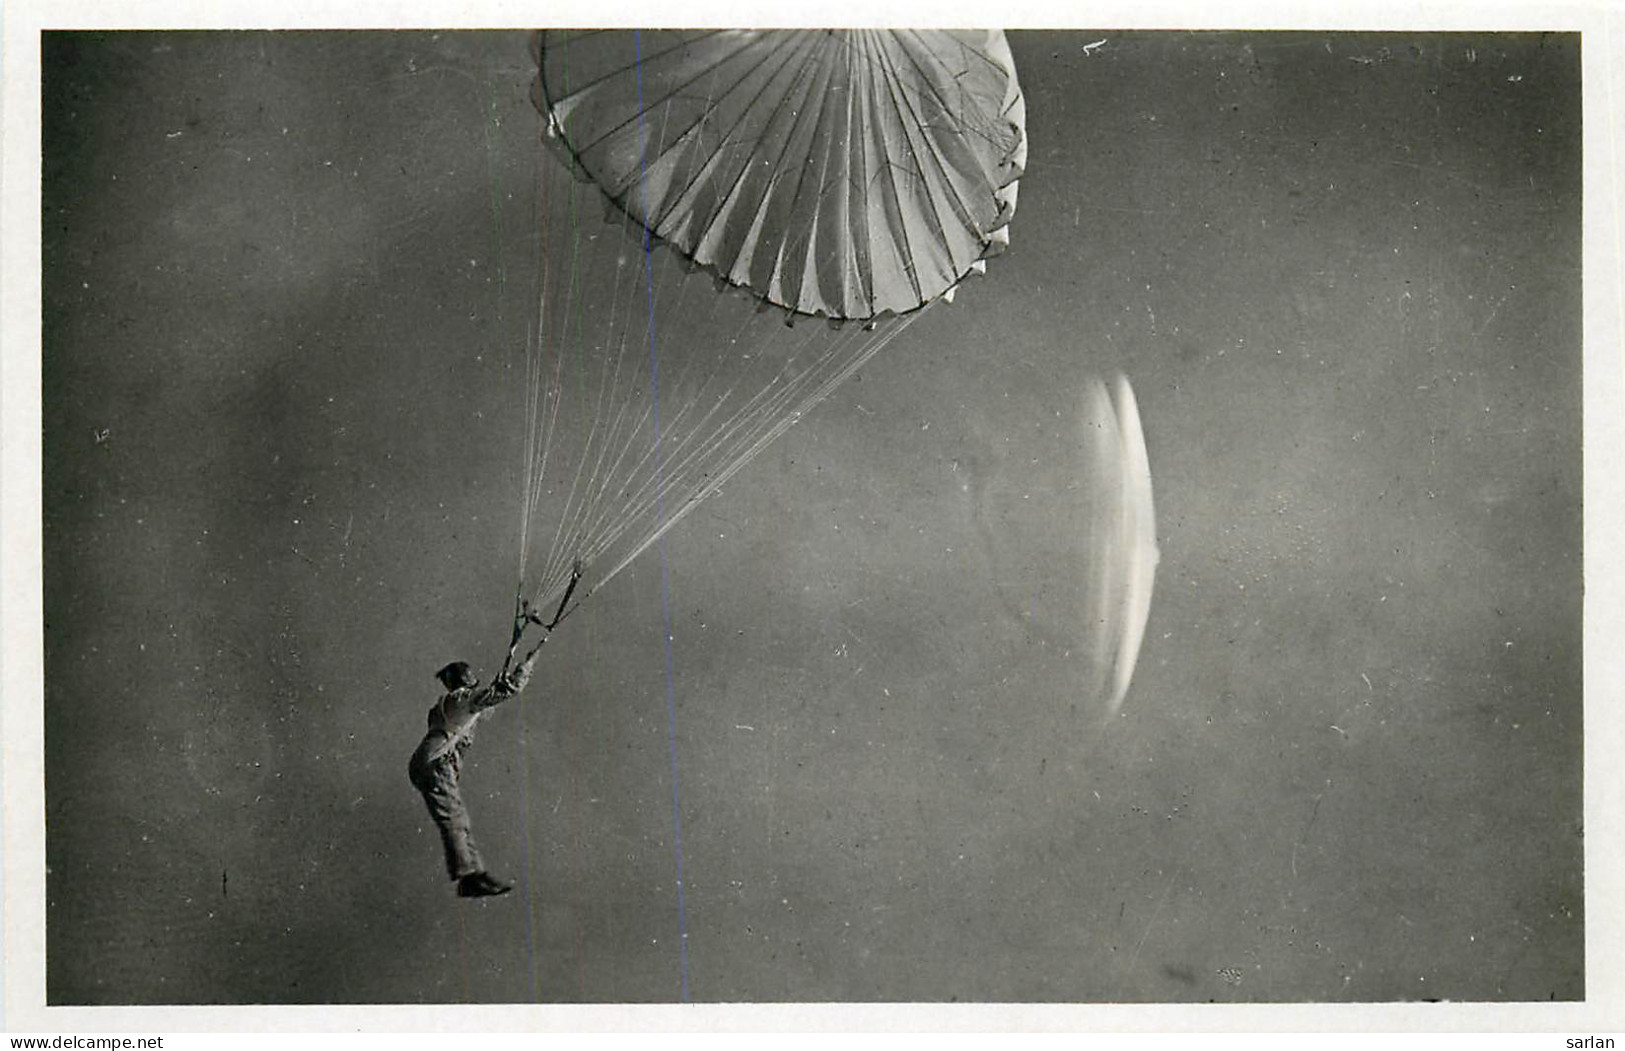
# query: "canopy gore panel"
843, 173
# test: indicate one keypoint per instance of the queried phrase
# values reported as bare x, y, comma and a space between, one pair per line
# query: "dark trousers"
437, 780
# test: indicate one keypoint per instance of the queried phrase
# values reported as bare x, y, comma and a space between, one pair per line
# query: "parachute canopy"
844, 173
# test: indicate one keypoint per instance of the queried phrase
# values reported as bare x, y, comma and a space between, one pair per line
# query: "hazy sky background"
283, 295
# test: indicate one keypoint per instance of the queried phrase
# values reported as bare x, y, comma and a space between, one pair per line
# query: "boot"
481, 885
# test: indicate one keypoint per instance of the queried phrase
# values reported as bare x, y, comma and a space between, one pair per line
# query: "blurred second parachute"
1121, 547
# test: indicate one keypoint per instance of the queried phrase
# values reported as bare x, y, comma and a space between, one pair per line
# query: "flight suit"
437, 763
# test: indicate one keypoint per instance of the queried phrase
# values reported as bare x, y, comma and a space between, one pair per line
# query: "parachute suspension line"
704, 442
587, 497
783, 410
526, 502
550, 392
547, 382
687, 449
738, 438
567, 535
608, 415
764, 403
764, 437
586, 488
544, 385
534, 335
602, 525
575, 297
742, 453
586, 515
707, 451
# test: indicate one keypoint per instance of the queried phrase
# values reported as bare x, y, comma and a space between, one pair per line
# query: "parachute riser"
524, 617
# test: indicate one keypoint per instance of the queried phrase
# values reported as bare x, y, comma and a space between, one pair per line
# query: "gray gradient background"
282, 288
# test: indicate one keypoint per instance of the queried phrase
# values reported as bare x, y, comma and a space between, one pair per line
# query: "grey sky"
285, 291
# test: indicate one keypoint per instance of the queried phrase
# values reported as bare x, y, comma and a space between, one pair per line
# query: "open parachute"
750, 178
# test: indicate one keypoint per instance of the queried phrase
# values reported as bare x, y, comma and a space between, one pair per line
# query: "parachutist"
437, 765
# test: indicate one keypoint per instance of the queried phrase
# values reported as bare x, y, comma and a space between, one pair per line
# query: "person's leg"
446, 807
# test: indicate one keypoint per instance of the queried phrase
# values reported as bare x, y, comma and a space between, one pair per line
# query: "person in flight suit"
437, 764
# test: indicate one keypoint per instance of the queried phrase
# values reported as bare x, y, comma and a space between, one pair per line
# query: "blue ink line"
530, 894
665, 575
